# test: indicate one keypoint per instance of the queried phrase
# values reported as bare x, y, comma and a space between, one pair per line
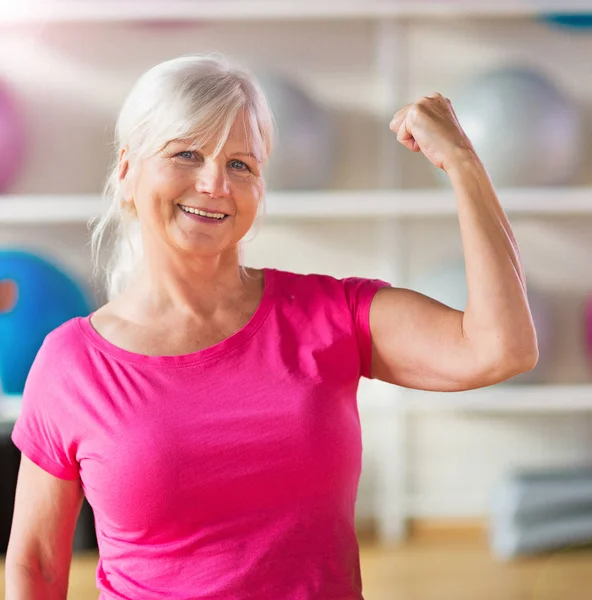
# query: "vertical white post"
392, 494
391, 78
391, 72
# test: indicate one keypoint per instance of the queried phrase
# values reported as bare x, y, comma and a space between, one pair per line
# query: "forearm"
25, 582
497, 315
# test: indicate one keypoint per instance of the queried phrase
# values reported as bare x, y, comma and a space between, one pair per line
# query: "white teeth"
195, 211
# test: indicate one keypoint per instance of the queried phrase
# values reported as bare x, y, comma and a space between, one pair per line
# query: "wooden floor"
432, 570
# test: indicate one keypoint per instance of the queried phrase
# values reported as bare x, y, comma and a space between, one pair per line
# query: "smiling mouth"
202, 213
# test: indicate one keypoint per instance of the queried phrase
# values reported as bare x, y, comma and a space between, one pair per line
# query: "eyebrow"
245, 154
182, 141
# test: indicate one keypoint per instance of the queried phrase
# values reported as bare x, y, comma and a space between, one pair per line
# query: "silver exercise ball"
305, 151
525, 129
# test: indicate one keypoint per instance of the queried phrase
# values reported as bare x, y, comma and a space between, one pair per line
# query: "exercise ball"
569, 20
7, 295
524, 129
305, 151
46, 297
12, 143
447, 283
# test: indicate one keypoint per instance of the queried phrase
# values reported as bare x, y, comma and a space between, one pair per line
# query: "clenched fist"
431, 126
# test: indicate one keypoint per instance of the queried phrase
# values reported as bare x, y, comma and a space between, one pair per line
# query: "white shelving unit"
15, 11
390, 205
10, 407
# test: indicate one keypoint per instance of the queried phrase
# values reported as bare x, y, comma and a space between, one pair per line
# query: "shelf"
15, 11
370, 204
38, 209
502, 399
10, 407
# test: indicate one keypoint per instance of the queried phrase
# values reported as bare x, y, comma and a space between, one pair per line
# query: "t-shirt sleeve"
42, 428
359, 293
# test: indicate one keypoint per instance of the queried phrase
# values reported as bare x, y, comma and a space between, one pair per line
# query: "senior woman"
208, 410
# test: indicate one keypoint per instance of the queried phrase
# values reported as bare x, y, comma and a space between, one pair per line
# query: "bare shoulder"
128, 329
255, 275
106, 317
112, 323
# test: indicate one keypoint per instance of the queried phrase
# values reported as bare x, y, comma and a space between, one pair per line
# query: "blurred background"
484, 494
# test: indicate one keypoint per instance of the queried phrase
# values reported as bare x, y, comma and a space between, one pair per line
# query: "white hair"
195, 97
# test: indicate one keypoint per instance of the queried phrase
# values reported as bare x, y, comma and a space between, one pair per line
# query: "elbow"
504, 359
515, 358
523, 363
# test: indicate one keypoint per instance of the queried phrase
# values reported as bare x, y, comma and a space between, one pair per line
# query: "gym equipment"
306, 147
47, 296
540, 511
12, 140
523, 127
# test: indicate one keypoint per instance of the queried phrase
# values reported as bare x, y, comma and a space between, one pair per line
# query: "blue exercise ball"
46, 297
447, 283
569, 20
305, 152
524, 128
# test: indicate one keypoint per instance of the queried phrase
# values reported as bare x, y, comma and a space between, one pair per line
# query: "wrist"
464, 162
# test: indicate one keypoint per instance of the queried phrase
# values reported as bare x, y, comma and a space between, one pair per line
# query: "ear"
123, 162
124, 172
8, 295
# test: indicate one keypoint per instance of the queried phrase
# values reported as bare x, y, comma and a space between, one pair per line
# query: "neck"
189, 284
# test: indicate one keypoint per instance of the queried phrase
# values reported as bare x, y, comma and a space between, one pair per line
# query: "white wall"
71, 81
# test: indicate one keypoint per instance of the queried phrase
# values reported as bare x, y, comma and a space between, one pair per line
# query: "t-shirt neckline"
224, 346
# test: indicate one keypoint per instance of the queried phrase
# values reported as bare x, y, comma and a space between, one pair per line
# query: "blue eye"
241, 165
186, 152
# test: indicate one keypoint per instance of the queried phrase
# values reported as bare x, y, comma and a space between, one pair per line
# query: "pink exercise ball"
11, 141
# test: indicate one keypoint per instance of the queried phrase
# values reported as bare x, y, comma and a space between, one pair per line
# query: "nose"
212, 180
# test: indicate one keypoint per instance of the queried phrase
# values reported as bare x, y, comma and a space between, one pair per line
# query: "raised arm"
421, 343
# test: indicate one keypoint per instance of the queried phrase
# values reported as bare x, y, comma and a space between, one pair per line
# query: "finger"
400, 127
398, 118
405, 137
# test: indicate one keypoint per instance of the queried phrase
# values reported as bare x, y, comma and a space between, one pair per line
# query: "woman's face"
169, 189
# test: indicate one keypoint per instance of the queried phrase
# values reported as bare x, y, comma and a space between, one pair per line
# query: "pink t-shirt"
229, 473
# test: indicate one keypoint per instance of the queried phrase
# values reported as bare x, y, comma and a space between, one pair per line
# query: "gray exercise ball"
305, 152
525, 129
